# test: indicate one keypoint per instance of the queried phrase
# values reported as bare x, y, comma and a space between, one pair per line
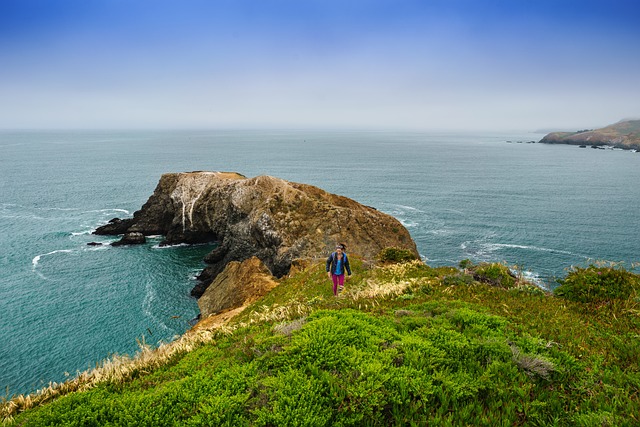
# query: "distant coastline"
623, 135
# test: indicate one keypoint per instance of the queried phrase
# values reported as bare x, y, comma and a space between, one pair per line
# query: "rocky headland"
262, 226
625, 135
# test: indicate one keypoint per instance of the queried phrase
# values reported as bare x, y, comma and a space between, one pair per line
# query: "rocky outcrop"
131, 238
272, 219
115, 226
624, 134
240, 283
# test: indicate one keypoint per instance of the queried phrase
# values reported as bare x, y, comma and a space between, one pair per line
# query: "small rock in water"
134, 238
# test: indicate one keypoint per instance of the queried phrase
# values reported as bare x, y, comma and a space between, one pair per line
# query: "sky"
322, 64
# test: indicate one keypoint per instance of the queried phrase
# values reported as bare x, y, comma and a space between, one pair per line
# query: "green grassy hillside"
404, 344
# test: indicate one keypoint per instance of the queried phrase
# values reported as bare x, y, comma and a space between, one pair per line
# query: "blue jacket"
331, 263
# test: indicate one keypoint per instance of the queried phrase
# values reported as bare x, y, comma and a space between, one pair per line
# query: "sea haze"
66, 305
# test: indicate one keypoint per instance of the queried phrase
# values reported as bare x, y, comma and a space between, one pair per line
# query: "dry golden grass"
389, 282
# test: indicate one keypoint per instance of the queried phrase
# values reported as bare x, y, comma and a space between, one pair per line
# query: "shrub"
396, 255
459, 279
528, 289
598, 284
494, 274
465, 263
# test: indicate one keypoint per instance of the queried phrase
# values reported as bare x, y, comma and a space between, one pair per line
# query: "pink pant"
337, 280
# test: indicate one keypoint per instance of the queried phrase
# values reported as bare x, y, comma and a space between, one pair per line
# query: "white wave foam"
408, 208
179, 245
534, 278
408, 223
149, 297
399, 210
81, 233
42, 276
109, 210
492, 247
484, 248
37, 258
97, 248
57, 209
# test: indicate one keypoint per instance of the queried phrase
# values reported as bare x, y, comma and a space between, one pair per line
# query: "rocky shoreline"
623, 135
262, 225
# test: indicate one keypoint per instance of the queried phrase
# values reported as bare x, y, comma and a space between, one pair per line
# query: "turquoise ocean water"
65, 305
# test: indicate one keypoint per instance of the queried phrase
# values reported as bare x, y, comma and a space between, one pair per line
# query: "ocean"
64, 306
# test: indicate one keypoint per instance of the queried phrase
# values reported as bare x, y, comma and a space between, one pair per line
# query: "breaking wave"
37, 258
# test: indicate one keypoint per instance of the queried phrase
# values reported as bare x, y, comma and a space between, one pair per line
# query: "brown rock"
115, 226
240, 283
275, 220
298, 265
131, 238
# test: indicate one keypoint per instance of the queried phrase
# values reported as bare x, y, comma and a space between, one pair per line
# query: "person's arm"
346, 264
329, 261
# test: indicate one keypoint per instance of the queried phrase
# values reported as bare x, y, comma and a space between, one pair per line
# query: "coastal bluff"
276, 221
625, 134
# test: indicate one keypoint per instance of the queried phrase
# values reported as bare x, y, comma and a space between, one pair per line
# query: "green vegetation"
598, 285
494, 274
396, 255
404, 344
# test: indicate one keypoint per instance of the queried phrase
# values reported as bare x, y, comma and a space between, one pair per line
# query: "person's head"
340, 248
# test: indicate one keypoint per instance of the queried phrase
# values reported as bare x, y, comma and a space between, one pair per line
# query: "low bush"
458, 279
465, 263
598, 285
494, 274
394, 255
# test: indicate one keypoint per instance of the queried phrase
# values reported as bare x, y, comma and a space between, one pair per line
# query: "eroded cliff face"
275, 220
239, 284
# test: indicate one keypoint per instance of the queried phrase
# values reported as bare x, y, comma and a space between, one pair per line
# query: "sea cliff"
274, 220
624, 134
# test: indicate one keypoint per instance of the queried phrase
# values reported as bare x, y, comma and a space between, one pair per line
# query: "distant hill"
624, 134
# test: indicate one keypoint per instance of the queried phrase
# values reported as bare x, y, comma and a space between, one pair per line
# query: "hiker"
337, 264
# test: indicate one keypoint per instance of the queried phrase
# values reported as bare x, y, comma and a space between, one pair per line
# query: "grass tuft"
287, 328
532, 365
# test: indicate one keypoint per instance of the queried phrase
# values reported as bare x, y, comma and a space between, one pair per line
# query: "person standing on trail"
337, 264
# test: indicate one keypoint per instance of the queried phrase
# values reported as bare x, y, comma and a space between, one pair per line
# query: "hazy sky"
430, 64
